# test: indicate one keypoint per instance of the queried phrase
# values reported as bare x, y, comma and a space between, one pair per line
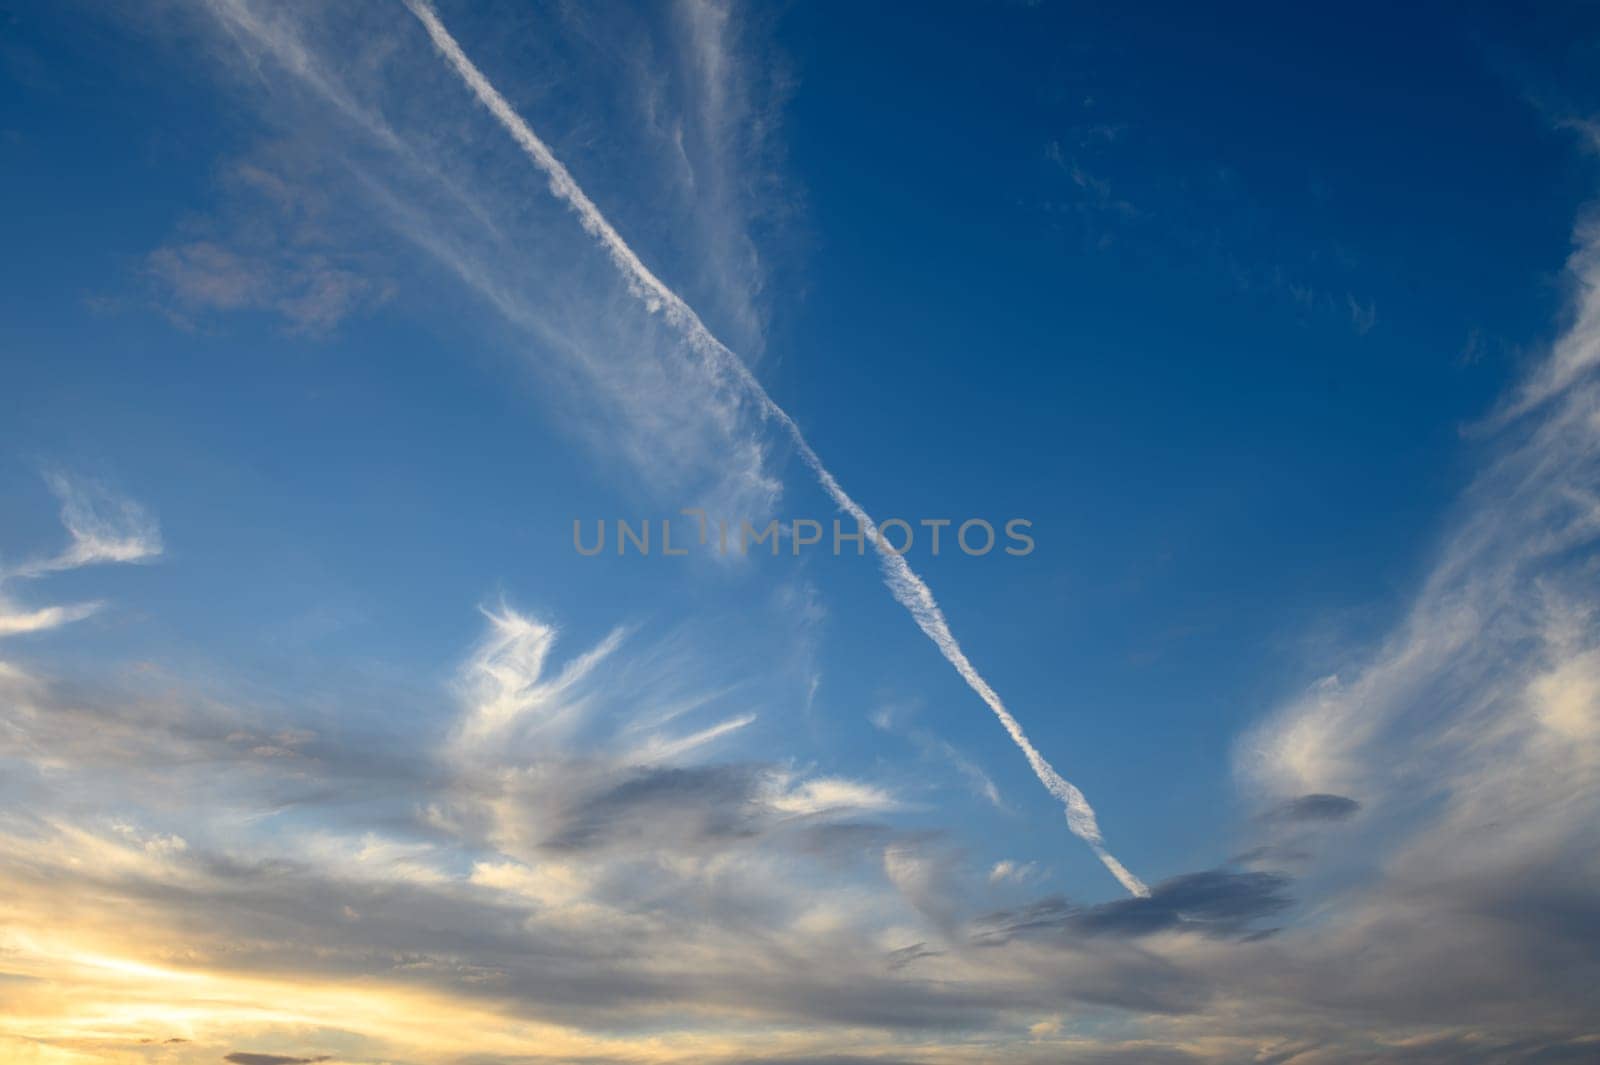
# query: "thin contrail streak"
908, 588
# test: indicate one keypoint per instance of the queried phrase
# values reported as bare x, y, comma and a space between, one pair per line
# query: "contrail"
908, 589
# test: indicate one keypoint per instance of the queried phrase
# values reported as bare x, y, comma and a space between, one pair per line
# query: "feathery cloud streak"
908, 588
103, 527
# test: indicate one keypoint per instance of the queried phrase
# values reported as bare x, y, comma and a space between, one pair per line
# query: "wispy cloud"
1214, 903
1468, 739
937, 747
1363, 316
1318, 807
273, 246
658, 884
1188, 212
14, 621
508, 691
628, 385
103, 528
1008, 871
311, 293
1577, 351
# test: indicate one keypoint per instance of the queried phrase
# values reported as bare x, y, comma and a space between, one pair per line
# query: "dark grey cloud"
245, 1057
826, 1059
1216, 903
899, 959
1318, 807
1142, 1054
653, 804
1132, 1055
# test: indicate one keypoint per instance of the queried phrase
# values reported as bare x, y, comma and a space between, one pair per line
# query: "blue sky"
1277, 326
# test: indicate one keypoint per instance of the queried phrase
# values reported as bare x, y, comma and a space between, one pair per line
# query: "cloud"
311, 293
652, 806
275, 245
543, 774
1471, 726
899, 959
103, 528
831, 795
1318, 808
1216, 903
932, 746
1576, 351
545, 884
14, 622
1013, 872
1363, 316
1097, 191
243, 1057
398, 157
505, 682
456, 876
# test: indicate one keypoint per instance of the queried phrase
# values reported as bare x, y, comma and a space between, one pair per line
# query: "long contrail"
908, 588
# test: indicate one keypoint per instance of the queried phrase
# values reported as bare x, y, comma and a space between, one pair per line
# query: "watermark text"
694, 530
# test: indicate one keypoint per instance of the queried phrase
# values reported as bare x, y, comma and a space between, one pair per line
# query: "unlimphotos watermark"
897, 536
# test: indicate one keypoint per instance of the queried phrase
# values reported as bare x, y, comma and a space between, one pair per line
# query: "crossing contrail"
908, 588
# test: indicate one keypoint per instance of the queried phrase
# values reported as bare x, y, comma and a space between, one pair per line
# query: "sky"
1264, 342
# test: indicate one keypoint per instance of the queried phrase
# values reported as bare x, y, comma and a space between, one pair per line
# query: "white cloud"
830, 795
507, 691
1008, 871
104, 528
14, 621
